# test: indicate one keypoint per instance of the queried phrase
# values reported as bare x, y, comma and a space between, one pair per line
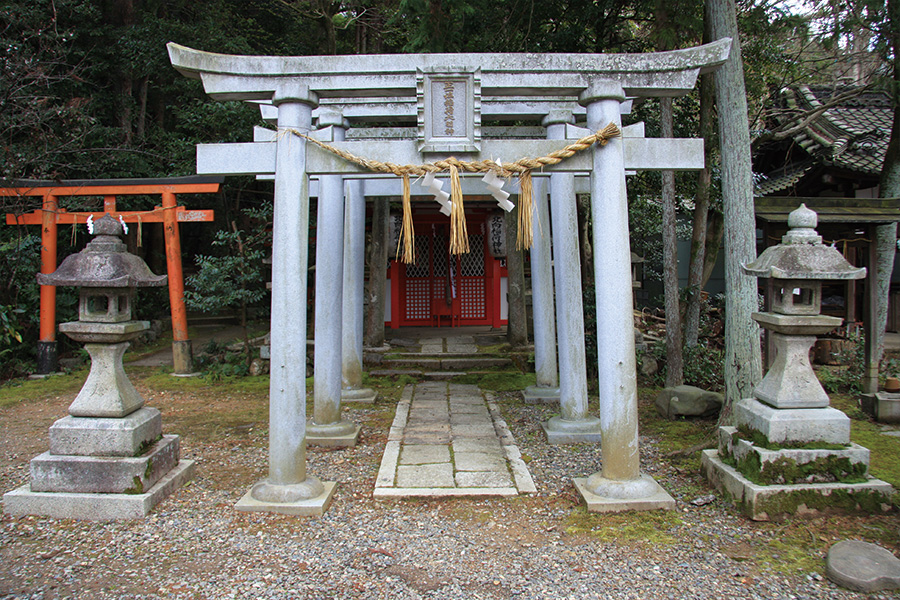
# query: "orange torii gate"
50, 215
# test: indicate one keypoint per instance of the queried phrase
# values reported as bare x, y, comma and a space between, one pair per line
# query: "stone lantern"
108, 459
790, 451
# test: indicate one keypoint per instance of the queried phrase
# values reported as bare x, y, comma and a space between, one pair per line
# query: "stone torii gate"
444, 98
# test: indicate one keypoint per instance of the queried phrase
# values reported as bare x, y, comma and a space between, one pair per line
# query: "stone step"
447, 363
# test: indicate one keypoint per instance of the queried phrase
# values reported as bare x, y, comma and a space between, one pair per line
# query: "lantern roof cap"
104, 263
802, 255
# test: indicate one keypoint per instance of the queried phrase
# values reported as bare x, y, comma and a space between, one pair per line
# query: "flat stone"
862, 566
96, 507
473, 363
104, 475
483, 479
444, 492
470, 409
462, 400
477, 430
105, 436
479, 461
388, 467
477, 444
659, 499
314, 507
420, 454
474, 418
425, 476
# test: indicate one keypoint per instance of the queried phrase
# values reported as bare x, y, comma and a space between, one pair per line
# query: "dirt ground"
224, 429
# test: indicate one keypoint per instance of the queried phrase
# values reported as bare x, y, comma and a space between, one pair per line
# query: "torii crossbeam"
50, 215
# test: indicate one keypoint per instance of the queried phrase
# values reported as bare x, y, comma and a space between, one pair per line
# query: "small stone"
862, 566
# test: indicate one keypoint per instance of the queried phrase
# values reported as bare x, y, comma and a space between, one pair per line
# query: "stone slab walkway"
448, 439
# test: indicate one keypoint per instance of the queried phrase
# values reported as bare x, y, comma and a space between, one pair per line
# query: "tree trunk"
715, 231
889, 187
701, 211
377, 257
674, 355
743, 364
143, 90
517, 318
584, 241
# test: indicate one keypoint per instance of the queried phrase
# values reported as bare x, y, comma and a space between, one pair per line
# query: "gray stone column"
289, 489
352, 389
326, 428
620, 485
574, 424
546, 388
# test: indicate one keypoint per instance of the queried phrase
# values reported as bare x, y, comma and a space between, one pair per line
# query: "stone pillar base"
761, 502
651, 496
361, 395
96, 506
183, 359
342, 434
47, 361
561, 431
535, 394
311, 507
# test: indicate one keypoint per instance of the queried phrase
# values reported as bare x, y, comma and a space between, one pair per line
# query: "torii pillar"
574, 424
620, 485
327, 428
352, 389
546, 388
289, 489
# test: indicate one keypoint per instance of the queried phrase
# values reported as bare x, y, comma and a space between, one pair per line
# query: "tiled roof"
784, 179
852, 136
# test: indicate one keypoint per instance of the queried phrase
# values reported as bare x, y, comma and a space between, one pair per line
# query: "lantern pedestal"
108, 459
790, 452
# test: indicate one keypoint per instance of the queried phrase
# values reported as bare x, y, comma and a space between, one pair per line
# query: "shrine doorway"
442, 290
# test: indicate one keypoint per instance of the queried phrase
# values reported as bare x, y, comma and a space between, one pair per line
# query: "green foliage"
234, 278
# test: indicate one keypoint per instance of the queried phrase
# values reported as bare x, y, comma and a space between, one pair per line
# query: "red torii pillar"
170, 214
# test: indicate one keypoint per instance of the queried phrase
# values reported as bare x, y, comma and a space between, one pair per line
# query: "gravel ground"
194, 545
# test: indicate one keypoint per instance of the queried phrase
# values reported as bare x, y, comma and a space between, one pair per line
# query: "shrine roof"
852, 135
831, 210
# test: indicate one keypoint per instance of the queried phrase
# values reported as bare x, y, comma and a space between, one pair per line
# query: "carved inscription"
448, 108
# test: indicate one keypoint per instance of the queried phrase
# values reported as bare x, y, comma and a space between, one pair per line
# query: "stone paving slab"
431, 419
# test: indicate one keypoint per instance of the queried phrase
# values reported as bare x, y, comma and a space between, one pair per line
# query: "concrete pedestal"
96, 507
581, 431
342, 434
361, 395
309, 507
535, 394
642, 494
761, 502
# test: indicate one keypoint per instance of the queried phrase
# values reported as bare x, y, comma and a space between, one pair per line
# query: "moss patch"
784, 470
867, 501
23, 390
498, 382
653, 527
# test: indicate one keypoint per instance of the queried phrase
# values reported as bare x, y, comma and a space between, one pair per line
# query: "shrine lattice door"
439, 289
